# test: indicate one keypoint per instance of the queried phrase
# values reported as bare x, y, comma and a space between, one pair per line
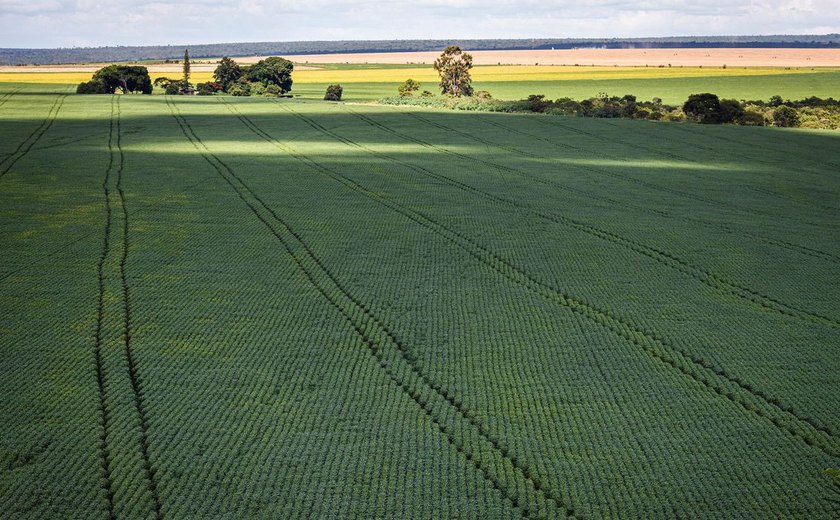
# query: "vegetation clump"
126, 78
454, 66
333, 93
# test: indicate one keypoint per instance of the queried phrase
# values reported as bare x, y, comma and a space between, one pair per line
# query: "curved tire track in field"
8, 95
392, 356
105, 418
139, 401
816, 253
696, 368
27, 144
701, 274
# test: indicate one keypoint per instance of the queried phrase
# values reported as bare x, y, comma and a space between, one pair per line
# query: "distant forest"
213, 50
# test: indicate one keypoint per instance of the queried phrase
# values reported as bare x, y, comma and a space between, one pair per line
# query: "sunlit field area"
221, 307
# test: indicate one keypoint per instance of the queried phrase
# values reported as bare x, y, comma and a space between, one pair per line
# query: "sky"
85, 23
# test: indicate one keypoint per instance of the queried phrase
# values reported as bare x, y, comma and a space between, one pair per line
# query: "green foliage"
272, 71
92, 87
209, 88
703, 108
186, 79
785, 116
333, 93
227, 73
454, 66
241, 89
408, 88
751, 118
127, 78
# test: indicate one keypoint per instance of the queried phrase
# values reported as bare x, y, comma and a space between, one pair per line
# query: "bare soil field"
621, 57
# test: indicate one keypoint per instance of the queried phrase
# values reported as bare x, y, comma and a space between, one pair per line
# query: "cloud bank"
65, 23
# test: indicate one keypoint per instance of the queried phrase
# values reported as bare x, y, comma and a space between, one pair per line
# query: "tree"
127, 78
272, 71
454, 66
408, 88
227, 73
703, 108
785, 116
333, 93
186, 67
730, 110
91, 87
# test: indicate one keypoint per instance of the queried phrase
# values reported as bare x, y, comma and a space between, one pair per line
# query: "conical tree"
186, 68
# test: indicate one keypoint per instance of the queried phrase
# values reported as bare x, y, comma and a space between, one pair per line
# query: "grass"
368, 82
227, 307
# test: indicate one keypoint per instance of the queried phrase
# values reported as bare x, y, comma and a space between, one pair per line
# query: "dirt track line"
27, 144
690, 365
133, 376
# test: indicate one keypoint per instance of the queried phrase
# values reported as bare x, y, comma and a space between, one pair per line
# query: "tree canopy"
127, 78
227, 73
272, 71
454, 66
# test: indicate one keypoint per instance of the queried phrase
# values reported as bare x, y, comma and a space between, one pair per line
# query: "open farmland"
217, 307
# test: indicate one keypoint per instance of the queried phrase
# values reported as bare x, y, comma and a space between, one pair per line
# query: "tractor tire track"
8, 95
701, 274
27, 144
816, 253
696, 368
105, 418
392, 356
139, 401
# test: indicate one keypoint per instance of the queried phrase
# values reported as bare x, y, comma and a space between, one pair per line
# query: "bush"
426, 94
272, 91
209, 88
750, 118
91, 87
703, 108
483, 94
408, 88
240, 89
730, 110
538, 103
333, 93
256, 88
785, 116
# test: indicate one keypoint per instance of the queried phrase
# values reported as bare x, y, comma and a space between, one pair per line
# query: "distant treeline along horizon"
20, 56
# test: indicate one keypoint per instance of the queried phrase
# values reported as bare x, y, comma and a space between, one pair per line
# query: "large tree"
127, 78
272, 71
454, 66
227, 73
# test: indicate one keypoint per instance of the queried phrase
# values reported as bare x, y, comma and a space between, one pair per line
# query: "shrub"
785, 116
209, 88
333, 93
272, 91
703, 108
538, 103
408, 88
426, 94
91, 87
240, 89
483, 94
750, 118
730, 110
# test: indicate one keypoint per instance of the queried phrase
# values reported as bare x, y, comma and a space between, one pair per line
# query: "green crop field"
217, 307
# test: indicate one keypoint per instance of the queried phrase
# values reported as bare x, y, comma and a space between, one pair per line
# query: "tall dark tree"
186, 67
454, 66
703, 108
227, 73
127, 78
272, 71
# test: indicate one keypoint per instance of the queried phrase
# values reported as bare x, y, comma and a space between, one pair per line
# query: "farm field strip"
516, 275
388, 350
666, 258
225, 307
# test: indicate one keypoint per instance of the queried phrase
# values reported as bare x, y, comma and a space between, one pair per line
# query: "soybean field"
216, 307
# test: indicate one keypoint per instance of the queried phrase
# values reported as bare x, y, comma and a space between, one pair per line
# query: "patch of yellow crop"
78, 77
533, 73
